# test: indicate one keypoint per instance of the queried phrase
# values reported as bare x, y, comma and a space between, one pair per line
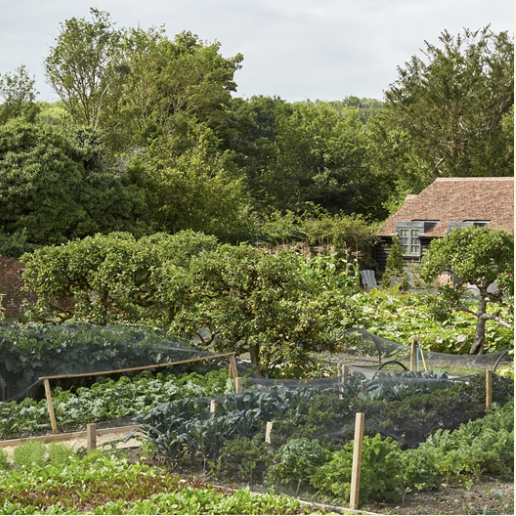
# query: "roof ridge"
506, 178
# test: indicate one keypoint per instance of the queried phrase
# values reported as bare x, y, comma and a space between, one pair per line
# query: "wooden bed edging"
68, 436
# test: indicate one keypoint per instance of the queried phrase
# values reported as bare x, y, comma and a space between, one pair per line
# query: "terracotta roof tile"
457, 200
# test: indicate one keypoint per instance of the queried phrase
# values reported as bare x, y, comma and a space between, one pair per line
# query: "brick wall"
11, 270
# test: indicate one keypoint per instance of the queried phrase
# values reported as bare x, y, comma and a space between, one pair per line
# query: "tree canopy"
477, 256
444, 114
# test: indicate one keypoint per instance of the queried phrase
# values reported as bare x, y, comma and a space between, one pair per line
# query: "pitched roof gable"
458, 199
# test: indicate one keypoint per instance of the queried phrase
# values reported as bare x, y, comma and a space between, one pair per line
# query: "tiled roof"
459, 199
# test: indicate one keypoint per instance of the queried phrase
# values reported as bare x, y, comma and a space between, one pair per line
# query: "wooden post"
413, 357
213, 406
238, 384
489, 388
91, 436
357, 458
344, 377
363, 385
48, 394
233, 371
268, 431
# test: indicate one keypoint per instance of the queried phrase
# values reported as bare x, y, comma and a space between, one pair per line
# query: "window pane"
404, 239
415, 244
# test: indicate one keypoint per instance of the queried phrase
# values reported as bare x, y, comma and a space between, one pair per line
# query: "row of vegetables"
56, 480
310, 450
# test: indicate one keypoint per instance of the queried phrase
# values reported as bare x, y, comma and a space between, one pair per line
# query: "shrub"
381, 476
60, 454
246, 459
4, 460
296, 462
484, 445
394, 268
30, 454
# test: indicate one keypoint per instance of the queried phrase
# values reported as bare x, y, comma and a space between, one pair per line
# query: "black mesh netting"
368, 351
227, 435
236, 436
31, 351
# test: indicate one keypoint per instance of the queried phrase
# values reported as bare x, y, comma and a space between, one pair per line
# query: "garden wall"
11, 283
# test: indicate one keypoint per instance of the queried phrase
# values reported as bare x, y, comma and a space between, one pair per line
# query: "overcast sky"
296, 49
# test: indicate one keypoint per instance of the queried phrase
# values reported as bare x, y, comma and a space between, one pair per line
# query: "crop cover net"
32, 351
366, 352
237, 438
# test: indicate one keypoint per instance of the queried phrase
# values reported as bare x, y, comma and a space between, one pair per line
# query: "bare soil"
489, 496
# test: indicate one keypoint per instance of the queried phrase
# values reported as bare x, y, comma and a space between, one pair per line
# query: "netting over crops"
31, 351
302, 418
366, 352
272, 430
239, 436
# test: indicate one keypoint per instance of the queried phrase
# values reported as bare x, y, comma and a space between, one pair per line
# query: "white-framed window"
409, 241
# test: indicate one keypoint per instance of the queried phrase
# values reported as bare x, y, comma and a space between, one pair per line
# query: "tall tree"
192, 184
19, 96
82, 65
322, 158
54, 188
444, 112
166, 83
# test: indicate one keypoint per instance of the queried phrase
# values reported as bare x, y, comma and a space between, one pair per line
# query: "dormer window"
408, 233
409, 241
478, 223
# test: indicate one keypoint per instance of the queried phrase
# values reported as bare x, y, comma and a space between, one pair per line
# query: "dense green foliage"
34, 350
381, 475
110, 485
395, 267
108, 399
180, 151
312, 451
279, 306
480, 257
187, 430
401, 317
55, 188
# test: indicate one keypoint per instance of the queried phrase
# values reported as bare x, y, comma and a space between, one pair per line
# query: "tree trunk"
480, 331
255, 359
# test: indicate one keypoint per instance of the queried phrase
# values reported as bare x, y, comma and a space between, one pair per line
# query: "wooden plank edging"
69, 435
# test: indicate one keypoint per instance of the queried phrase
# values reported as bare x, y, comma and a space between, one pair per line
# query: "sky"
294, 49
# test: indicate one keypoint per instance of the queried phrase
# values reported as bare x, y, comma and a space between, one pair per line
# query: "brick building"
446, 204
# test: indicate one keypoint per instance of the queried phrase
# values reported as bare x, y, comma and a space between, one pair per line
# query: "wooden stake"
233, 371
91, 436
413, 357
238, 384
268, 431
345, 372
363, 385
213, 406
489, 388
48, 394
357, 458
